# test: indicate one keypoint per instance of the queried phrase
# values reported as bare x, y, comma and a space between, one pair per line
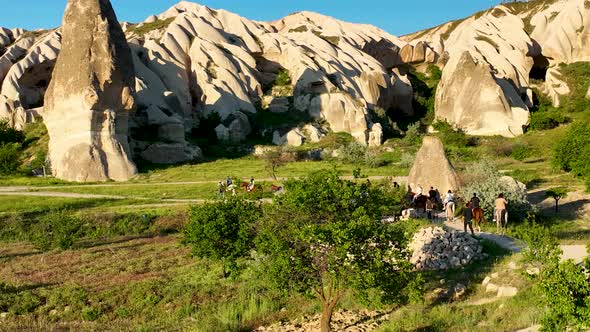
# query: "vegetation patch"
144, 28
488, 40
301, 28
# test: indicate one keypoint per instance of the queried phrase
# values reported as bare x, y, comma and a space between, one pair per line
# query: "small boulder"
507, 291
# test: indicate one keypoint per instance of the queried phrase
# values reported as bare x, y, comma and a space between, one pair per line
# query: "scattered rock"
486, 281
3, 315
491, 288
507, 291
512, 266
342, 320
435, 248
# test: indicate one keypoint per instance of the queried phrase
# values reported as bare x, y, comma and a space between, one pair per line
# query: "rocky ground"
343, 320
435, 248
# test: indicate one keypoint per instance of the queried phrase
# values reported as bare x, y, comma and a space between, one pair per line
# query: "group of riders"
229, 186
472, 211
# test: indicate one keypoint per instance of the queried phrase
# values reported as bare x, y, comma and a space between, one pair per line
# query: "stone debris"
342, 320
501, 291
435, 248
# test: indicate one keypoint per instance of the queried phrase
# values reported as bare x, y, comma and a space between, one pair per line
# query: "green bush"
521, 152
283, 78
9, 158
572, 153
222, 230
452, 136
57, 229
358, 154
413, 135
543, 120
10, 135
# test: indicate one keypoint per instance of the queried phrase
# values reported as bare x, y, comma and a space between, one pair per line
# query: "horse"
478, 218
276, 189
247, 187
420, 202
501, 221
450, 211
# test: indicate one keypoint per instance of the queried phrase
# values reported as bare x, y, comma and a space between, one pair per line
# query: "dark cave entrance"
539, 70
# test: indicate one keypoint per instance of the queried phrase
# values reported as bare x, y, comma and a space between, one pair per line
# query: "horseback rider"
250, 185
475, 201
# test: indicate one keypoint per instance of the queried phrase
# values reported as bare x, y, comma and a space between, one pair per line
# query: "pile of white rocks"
342, 320
435, 248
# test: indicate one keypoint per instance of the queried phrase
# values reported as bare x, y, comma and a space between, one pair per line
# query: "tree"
324, 236
222, 230
557, 194
273, 159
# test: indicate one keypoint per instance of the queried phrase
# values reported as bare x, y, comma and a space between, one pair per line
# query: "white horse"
450, 210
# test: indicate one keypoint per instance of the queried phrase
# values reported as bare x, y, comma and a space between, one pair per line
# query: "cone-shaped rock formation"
90, 96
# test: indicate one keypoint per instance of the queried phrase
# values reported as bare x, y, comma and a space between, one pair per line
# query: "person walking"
468, 218
220, 190
501, 213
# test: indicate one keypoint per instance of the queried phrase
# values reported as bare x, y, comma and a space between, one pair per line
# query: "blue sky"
395, 16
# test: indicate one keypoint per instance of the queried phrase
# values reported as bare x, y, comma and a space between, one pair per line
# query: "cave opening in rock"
539, 70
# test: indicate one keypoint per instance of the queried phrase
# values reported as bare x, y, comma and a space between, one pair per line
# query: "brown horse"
420, 202
478, 218
275, 189
248, 188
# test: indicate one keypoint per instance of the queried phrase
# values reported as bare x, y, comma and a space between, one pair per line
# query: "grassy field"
152, 283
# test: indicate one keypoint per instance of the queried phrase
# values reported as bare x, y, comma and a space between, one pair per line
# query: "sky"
397, 17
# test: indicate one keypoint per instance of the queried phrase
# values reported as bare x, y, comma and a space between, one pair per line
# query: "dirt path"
575, 252
399, 179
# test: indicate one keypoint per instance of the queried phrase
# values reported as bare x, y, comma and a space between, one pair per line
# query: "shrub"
358, 154
572, 153
9, 158
452, 136
57, 229
520, 152
484, 179
413, 135
222, 231
10, 135
283, 78
544, 120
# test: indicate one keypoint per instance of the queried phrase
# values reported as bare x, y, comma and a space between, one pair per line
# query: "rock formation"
485, 85
432, 168
91, 94
193, 61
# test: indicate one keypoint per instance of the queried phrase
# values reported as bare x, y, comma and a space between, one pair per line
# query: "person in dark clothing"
468, 218
475, 201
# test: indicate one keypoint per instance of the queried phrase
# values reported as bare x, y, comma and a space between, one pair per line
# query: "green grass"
32, 204
153, 192
442, 314
147, 27
138, 285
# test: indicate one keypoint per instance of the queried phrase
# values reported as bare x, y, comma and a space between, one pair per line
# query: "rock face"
432, 168
91, 93
473, 99
435, 248
563, 30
